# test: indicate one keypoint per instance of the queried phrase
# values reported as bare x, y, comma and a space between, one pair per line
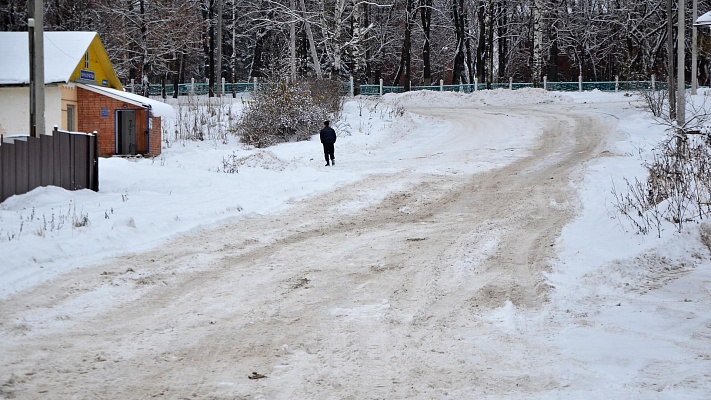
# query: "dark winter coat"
328, 135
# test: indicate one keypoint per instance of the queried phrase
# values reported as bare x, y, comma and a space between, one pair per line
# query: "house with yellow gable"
82, 93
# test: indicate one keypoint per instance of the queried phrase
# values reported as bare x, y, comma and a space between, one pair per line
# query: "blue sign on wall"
105, 82
88, 75
104, 112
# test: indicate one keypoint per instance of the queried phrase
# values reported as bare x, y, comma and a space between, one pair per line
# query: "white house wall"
15, 109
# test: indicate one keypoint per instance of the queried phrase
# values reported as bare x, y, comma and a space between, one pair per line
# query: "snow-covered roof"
158, 108
704, 20
62, 53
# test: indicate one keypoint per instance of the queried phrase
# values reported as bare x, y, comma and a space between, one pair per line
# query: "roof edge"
99, 89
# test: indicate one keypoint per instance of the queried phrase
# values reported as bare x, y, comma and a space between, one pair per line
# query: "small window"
70, 118
86, 60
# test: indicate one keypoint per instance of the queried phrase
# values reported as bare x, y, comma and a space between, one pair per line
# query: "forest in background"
403, 42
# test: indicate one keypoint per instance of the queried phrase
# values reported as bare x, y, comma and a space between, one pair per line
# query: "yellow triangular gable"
97, 69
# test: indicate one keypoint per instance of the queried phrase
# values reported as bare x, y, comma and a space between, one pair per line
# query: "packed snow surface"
463, 246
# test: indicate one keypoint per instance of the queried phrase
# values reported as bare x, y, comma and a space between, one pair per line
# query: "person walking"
328, 139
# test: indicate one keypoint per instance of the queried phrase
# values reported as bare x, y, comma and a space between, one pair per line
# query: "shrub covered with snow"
293, 111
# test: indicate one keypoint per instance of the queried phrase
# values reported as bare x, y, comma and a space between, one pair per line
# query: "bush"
283, 112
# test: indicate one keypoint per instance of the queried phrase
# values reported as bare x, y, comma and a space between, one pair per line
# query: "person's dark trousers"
328, 152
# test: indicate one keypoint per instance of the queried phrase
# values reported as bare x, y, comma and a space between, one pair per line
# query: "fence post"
222, 88
351, 87
510, 83
617, 83
461, 88
580, 83
192, 86
254, 85
95, 163
654, 84
133, 87
476, 85
381, 86
441, 85
545, 82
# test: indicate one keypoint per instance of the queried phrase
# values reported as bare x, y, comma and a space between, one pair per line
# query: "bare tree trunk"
358, 62
175, 72
481, 46
426, 19
490, 41
292, 41
536, 70
460, 35
234, 50
405, 53
211, 66
670, 62
407, 46
503, 40
145, 66
219, 48
312, 44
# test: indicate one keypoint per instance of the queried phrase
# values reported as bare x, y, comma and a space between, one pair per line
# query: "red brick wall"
90, 120
156, 136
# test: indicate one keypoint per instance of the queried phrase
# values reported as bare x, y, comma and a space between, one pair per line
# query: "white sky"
654, 344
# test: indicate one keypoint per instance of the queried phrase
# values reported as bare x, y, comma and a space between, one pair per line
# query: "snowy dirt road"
395, 299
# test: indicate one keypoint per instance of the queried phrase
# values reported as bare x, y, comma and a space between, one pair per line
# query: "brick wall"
156, 136
90, 119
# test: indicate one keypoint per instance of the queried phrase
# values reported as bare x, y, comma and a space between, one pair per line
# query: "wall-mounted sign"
88, 75
105, 82
104, 112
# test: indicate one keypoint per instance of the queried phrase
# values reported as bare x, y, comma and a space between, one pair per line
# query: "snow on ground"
627, 302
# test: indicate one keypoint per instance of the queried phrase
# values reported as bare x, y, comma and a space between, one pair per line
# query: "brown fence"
64, 159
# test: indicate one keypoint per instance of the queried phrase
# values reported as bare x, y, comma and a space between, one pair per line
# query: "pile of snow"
497, 97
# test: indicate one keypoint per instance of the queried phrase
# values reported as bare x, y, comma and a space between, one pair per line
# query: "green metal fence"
185, 89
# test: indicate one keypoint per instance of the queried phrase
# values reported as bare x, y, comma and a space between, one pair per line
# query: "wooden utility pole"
35, 10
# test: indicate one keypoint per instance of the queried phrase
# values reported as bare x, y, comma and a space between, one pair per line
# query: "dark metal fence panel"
7, 169
22, 165
64, 145
81, 162
64, 159
34, 173
47, 160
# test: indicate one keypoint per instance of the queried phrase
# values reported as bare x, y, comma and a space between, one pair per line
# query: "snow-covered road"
391, 300
467, 252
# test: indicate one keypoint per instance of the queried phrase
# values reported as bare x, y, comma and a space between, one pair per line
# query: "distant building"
82, 93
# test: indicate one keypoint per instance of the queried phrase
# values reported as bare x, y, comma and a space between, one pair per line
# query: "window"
86, 60
70, 118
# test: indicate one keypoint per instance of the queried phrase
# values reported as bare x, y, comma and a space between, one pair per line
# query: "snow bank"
497, 97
